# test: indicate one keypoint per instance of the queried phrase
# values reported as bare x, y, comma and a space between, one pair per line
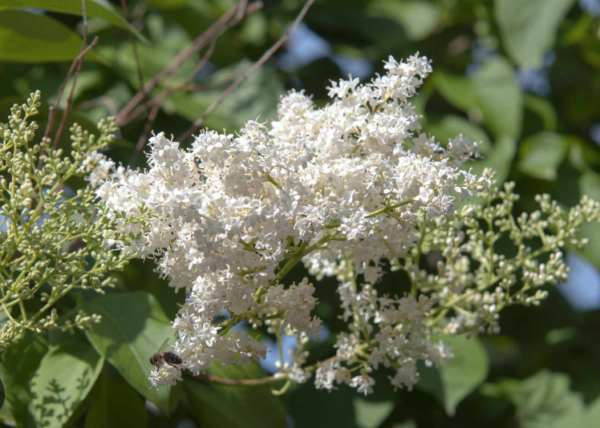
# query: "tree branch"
215, 30
248, 72
237, 382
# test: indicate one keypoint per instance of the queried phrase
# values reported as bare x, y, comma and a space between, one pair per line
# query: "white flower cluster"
340, 187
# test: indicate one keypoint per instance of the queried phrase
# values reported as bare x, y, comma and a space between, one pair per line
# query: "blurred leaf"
235, 406
544, 400
63, 380
371, 414
450, 126
544, 110
458, 377
29, 37
492, 92
94, 8
528, 28
128, 338
542, 154
499, 158
419, 19
167, 4
592, 415
115, 403
590, 184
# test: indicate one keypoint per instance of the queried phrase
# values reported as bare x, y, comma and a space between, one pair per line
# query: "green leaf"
63, 380
235, 406
544, 110
459, 376
94, 8
115, 403
528, 28
371, 414
132, 329
29, 37
544, 400
18, 367
491, 93
592, 415
542, 154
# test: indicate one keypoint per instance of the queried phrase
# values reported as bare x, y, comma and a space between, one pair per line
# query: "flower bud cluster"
51, 240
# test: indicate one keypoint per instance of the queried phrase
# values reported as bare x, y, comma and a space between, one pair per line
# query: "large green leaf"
18, 367
29, 37
544, 400
235, 406
528, 28
94, 8
459, 376
132, 329
63, 380
491, 93
542, 154
115, 403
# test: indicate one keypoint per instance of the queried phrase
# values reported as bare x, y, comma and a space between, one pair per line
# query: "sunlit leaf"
458, 377
491, 93
371, 414
63, 380
127, 338
544, 400
541, 155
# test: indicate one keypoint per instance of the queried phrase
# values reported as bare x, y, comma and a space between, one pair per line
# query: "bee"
161, 357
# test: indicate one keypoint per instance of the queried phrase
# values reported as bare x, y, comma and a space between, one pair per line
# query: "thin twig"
84, 50
248, 72
61, 90
147, 128
157, 102
215, 29
237, 382
136, 57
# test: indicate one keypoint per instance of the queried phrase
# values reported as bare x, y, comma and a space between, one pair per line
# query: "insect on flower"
161, 357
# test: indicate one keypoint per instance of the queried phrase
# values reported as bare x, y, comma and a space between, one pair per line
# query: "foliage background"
523, 77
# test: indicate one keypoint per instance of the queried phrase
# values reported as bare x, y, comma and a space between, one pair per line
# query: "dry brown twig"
81, 57
74, 68
248, 72
136, 58
215, 30
237, 382
157, 102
